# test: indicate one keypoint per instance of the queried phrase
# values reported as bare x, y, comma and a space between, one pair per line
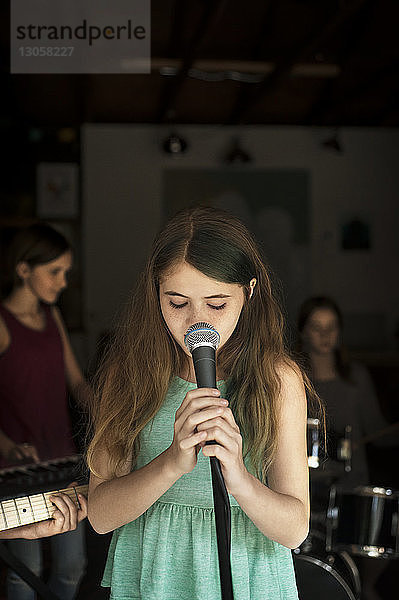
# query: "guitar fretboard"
34, 508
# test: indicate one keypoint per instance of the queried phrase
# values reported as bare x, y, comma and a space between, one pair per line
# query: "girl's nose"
63, 282
195, 316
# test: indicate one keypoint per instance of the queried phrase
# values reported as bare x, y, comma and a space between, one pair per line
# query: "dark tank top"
33, 395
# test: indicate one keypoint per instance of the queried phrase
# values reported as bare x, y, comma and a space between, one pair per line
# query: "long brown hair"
143, 357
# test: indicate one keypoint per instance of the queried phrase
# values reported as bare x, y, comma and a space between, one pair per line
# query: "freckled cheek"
177, 328
175, 323
226, 326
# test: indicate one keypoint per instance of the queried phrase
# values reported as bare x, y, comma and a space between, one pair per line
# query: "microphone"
202, 341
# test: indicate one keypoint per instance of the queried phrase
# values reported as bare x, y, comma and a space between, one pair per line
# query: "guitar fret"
10, 513
34, 508
49, 506
24, 510
16, 510
40, 508
3, 520
31, 507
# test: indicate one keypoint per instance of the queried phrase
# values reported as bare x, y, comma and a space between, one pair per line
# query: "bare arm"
77, 384
279, 510
117, 501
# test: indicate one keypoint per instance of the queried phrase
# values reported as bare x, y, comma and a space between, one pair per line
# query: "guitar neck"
32, 509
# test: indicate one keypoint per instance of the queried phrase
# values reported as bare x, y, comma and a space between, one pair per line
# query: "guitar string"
39, 503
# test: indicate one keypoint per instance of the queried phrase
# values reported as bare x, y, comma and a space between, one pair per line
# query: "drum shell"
363, 521
331, 576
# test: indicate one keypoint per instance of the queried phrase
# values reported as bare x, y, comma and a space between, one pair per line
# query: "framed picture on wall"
57, 187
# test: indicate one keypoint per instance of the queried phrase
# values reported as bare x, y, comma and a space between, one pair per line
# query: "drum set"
344, 523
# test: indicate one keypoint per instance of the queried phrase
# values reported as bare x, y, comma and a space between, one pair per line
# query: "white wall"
122, 199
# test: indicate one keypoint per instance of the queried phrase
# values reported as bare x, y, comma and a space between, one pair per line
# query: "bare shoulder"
292, 392
101, 465
290, 374
101, 471
4, 336
288, 369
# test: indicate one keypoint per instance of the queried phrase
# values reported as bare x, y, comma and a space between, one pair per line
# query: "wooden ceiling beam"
298, 54
175, 39
265, 29
269, 18
327, 97
171, 67
210, 15
375, 80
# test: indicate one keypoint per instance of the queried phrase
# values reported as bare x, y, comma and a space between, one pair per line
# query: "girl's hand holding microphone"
226, 446
199, 406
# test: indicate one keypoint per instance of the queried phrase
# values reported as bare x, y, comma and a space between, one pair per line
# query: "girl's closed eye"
174, 305
219, 307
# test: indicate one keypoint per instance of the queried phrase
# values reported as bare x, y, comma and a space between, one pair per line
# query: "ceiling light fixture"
174, 144
236, 155
333, 143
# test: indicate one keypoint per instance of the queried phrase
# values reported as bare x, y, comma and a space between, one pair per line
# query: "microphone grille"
201, 334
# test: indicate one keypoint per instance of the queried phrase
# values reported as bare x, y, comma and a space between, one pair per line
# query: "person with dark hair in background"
37, 365
352, 411
344, 386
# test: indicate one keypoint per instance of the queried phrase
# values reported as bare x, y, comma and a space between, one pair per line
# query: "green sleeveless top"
170, 551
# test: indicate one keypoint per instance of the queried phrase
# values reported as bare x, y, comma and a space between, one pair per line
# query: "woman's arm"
77, 384
279, 510
116, 501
